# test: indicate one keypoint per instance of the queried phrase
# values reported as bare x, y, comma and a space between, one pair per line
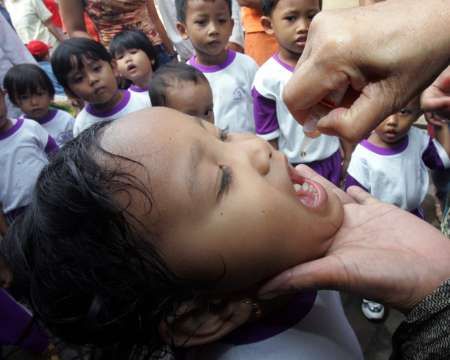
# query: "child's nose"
259, 153
392, 120
302, 25
213, 28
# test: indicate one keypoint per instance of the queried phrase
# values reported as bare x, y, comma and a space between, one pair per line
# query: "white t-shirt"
231, 84
274, 121
142, 93
59, 125
317, 331
24, 153
129, 103
398, 175
28, 17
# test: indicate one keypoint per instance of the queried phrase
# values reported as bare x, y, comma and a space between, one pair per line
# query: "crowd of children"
216, 233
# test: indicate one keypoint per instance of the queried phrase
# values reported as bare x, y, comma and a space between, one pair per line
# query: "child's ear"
114, 68
182, 30
197, 323
267, 25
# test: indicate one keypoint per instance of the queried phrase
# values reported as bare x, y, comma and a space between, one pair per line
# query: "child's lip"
309, 192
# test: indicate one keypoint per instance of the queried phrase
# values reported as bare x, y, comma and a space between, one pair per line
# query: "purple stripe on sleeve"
431, 157
274, 324
351, 181
265, 114
231, 55
17, 327
51, 146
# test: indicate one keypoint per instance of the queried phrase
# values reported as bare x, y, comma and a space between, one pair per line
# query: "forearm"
425, 333
255, 4
72, 13
57, 33
154, 17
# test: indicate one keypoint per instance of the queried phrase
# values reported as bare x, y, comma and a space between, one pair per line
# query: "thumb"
371, 107
324, 273
361, 196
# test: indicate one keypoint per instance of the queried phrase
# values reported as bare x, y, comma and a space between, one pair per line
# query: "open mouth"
131, 67
310, 193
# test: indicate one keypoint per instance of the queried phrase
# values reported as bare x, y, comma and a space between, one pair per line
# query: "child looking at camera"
208, 24
289, 21
87, 71
165, 231
182, 87
392, 165
31, 90
136, 60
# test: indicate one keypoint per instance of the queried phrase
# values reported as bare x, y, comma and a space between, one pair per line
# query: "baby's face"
227, 208
191, 98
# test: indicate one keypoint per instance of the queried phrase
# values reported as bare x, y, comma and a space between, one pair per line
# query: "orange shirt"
251, 20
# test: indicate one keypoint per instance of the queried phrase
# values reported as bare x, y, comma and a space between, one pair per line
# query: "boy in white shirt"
208, 24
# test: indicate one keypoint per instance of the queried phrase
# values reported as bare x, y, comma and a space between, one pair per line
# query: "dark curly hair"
84, 263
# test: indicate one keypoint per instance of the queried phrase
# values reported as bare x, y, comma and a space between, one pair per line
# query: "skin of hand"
381, 252
435, 100
385, 68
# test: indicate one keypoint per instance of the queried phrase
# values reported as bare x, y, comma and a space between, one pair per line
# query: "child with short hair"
391, 164
41, 53
162, 231
87, 71
136, 60
31, 90
182, 87
289, 21
208, 24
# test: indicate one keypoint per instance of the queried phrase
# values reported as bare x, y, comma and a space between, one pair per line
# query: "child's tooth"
297, 187
306, 187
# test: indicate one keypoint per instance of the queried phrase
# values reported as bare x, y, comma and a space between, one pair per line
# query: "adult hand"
381, 252
435, 100
386, 58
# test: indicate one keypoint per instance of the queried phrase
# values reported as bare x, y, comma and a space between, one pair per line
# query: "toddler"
208, 24
392, 165
182, 87
41, 53
289, 21
87, 71
155, 231
136, 60
31, 90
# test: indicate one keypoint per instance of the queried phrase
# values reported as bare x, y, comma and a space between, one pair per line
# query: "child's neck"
142, 83
40, 118
6, 125
289, 57
109, 105
209, 60
375, 139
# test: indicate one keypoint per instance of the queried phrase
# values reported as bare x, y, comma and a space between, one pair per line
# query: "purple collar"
50, 116
397, 149
114, 110
277, 58
299, 306
12, 129
231, 55
138, 89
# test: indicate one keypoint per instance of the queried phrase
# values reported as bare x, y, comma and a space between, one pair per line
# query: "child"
136, 60
164, 228
182, 87
392, 165
208, 25
41, 53
289, 21
30, 89
87, 71
25, 146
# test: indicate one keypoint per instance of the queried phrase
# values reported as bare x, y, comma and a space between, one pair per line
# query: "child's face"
224, 208
134, 65
95, 82
395, 127
191, 98
290, 21
208, 25
35, 106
